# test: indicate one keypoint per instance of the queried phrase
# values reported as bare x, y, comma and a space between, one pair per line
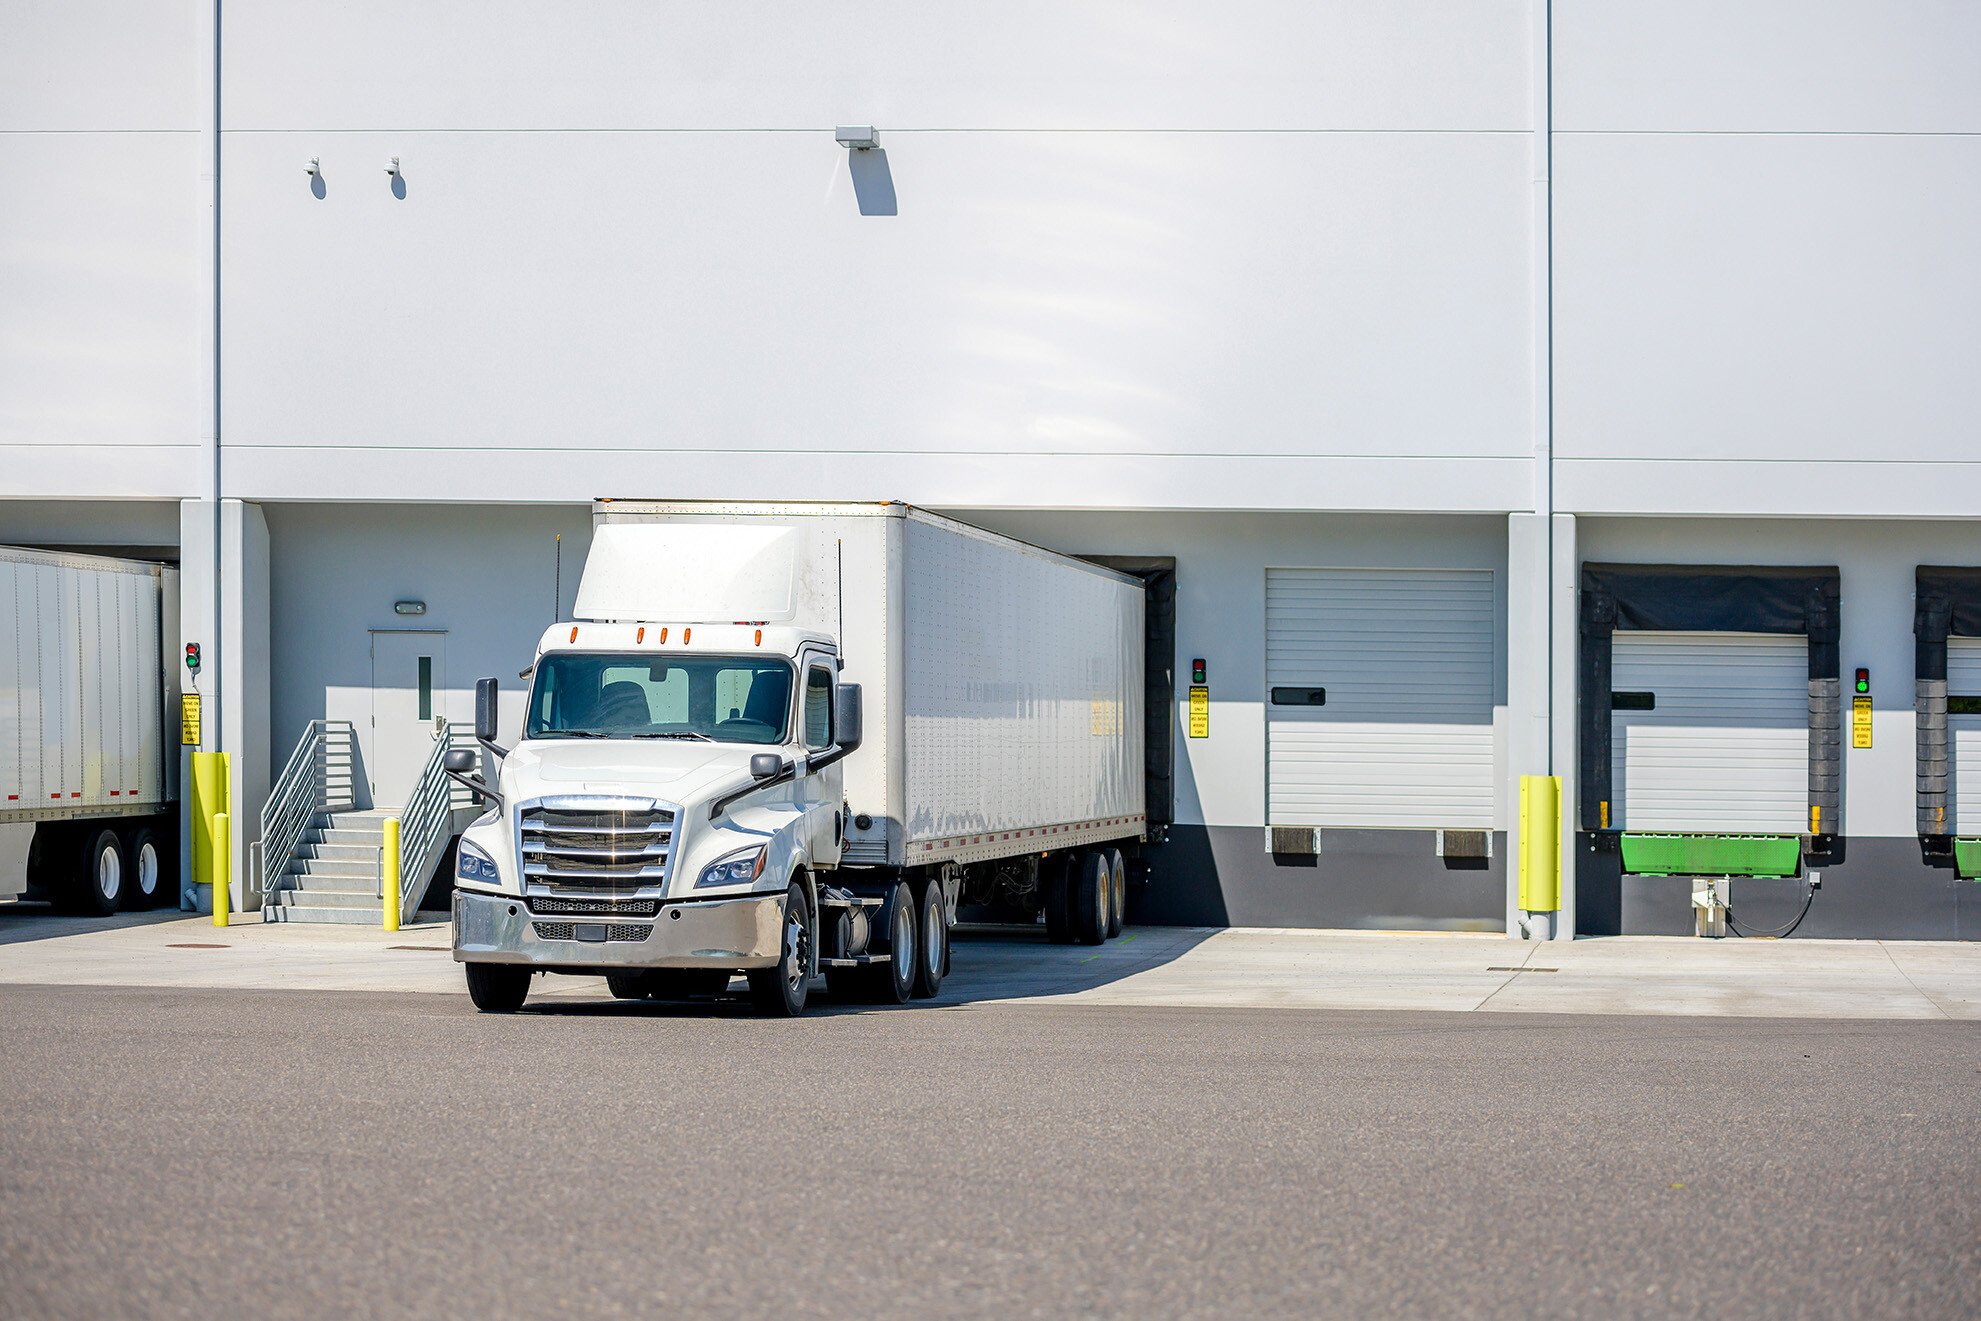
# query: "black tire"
626, 985
1091, 885
498, 988
101, 874
144, 849
931, 941
46, 853
893, 982
1055, 887
1117, 895
781, 990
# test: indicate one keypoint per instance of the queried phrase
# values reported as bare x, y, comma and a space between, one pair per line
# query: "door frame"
371, 696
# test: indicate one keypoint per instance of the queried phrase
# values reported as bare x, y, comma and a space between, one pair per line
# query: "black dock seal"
1946, 603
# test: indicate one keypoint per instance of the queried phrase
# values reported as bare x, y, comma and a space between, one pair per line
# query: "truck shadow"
24, 920
987, 965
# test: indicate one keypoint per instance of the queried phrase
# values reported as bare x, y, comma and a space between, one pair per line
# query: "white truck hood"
677, 771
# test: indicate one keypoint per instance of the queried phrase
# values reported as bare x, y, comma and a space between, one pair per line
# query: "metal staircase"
322, 859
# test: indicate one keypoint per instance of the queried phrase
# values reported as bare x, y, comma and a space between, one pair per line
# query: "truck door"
821, 793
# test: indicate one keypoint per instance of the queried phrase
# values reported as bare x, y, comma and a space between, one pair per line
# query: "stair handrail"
299, 794
426, 824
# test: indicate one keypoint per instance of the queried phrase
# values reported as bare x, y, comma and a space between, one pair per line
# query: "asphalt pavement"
200, 1152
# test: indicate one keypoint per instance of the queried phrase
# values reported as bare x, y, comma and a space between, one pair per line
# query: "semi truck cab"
666, 815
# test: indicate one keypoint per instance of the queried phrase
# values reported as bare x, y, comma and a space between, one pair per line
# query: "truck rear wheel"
97, 884
932, 943
147, 867
893, 982
1056, 883
498, 988
1117, 895
781, 991
1093, 883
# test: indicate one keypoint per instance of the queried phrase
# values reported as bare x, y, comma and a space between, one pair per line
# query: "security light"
857, 137
409, 607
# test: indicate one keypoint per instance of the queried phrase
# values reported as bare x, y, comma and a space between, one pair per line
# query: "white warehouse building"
1515, 388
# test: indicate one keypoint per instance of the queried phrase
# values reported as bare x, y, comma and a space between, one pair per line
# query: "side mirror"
847, 713
765, 765
485, 694
459, 761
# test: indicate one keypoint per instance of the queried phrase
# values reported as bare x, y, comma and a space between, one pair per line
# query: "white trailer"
907, 715
88, 756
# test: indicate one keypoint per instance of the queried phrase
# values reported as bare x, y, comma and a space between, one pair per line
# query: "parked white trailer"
88, 686
789, 738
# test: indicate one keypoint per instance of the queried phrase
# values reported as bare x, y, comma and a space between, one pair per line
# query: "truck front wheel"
498, 988
781, 991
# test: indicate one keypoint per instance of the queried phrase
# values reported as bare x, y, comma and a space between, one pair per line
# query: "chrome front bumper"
746, 932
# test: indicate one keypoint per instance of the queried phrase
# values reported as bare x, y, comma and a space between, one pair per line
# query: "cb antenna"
557, 583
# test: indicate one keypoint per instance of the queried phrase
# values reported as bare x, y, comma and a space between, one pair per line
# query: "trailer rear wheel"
1092, 885
147, 867
97, 884
932, 944
498, 988
1117, 895
781, 990
1056, 889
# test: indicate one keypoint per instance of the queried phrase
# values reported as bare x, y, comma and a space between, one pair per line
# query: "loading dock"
1709, 708
1947, 708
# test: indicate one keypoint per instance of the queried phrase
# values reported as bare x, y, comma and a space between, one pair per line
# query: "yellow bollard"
220, 869
390, 871
1540, 843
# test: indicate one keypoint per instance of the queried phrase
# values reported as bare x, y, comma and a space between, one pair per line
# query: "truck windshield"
729, 699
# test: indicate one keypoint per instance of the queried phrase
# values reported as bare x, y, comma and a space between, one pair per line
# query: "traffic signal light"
1197, 671
192, 657
1864, 681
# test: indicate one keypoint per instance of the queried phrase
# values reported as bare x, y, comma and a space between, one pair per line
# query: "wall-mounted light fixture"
393, 166
857, 137
409, 607
314, 168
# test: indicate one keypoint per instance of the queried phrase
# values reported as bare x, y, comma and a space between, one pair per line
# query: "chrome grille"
569, 930
562, 906
596, 843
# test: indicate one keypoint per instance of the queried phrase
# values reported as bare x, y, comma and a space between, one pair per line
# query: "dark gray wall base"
1370, 879
1875, 889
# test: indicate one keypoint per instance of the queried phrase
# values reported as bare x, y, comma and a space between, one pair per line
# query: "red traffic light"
192, 656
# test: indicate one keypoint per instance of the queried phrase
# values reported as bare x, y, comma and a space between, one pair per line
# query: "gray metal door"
408, 675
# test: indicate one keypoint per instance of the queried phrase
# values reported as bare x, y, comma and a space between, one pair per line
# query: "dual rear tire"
1086, 898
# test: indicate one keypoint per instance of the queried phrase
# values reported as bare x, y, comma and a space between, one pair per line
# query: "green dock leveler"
1777, 856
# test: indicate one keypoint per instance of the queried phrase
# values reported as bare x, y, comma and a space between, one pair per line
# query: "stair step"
316, 898
365, 883
343, 835
350, 917
364, 853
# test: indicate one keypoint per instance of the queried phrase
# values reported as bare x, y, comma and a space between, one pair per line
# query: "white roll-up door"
1964, 733
1725, 747
1404, 736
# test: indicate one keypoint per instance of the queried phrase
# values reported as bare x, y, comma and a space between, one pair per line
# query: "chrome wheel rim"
797, 945
109, 874
904, 950
932, 938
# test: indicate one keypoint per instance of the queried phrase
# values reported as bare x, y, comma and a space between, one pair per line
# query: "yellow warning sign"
1860, 722
1200, 712
189, 720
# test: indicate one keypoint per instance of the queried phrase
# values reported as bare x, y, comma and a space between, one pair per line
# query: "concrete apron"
1166, 966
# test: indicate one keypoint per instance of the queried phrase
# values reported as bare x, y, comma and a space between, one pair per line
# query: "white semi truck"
784, 740
88, 709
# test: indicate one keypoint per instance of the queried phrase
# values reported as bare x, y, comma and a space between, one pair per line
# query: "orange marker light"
663, 637
574, 632
760, 637
640, 636
686, 635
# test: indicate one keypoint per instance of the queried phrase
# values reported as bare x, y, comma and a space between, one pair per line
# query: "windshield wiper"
672, 733
569, 733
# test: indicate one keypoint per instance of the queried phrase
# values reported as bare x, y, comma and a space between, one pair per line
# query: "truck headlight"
736, 869
475, 865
